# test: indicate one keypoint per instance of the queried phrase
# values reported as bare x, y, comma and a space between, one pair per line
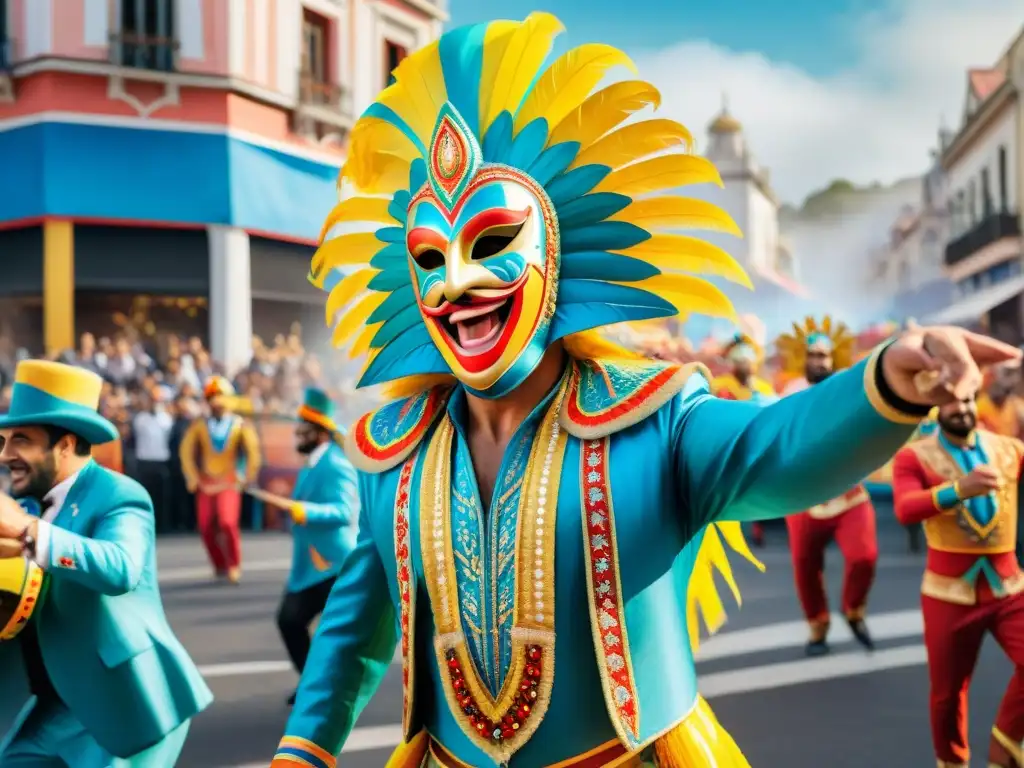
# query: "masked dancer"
961, 482
525, 458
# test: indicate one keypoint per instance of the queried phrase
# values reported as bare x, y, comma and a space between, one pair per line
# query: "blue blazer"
326, 512
110, 653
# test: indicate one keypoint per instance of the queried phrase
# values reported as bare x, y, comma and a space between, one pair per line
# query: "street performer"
108, 682
961, 482
526, 457
211, 453
817, 352
324, 509
742, 382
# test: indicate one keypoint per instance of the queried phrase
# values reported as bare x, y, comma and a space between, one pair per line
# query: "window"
147, 34
393, 56
1003, 192
5, 52
986, 194
314, 47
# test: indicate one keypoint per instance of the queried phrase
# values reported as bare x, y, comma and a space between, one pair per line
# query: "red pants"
953, 635
854, 532
217, 515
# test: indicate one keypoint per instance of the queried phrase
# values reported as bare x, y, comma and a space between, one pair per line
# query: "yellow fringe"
702, 593
410, 754
699, 741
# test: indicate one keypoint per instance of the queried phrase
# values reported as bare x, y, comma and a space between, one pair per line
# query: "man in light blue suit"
324, 509
105, 682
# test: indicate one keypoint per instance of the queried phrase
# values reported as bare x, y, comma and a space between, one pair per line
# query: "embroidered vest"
957, 530
219, 454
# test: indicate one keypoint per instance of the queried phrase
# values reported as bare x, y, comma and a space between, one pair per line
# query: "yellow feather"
350, 321
568, 81
688, 254
633, 142
496, 39
358, 209
350, 286
591, 345
603, 111
414, 385
361, 345
345, 250
689, 294
660, 173
679, 213
524, 55
419, 91
376, 146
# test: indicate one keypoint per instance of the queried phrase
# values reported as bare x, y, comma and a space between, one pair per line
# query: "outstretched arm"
351, 651
336, 503
914, 498
744, 461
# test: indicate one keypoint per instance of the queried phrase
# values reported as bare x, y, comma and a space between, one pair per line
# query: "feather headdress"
609, 183
793, 346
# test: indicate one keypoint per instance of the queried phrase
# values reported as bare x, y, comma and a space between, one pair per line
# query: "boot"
817, 645
860, 632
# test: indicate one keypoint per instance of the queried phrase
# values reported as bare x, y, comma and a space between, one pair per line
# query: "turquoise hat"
58, 395
318, 408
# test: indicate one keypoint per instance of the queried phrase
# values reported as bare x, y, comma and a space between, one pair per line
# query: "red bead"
481, 725
522, 712
533, 653
532, 671
507, 732
453, 663
526, 685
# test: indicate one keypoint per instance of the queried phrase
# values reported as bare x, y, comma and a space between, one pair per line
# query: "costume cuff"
295, 751
946, 496
298, 511
42, 555
883, 399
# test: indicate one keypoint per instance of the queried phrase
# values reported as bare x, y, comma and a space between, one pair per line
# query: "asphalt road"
844, 711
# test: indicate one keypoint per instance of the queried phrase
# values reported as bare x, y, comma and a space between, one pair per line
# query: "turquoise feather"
598, 291
392, 305
391, 256
391, 234
585, 316
417, 174
528, 144
553, 161
424, 359
462, 58
601, 265
590, 209
390, 280
498, 141
603, 236
405, 319
388, 115
399, 206
576, 183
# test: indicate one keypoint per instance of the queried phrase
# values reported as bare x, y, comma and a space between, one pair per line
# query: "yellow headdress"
833, 336
480, 99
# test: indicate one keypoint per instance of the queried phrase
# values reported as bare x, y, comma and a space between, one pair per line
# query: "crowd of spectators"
153, 389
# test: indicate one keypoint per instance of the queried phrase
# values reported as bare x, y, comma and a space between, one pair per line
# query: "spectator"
151, 429
122, 368
185, 410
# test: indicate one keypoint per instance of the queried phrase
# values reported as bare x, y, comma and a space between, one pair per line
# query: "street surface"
844, 711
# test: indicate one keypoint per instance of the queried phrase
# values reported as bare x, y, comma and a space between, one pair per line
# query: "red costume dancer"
211, 453
961, 482
817, 352
743, 383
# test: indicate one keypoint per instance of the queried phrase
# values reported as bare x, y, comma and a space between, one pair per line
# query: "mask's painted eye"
496, 239
429, 258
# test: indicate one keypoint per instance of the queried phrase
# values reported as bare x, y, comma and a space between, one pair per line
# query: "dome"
725, 123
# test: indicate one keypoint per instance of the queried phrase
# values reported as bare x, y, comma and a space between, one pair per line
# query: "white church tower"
749, 199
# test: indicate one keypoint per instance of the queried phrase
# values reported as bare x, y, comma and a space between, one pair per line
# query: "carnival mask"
483, 251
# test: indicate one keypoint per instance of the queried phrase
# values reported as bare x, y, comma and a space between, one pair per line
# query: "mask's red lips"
481, 297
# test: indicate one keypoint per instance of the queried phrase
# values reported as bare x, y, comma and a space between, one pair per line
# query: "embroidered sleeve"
914, 500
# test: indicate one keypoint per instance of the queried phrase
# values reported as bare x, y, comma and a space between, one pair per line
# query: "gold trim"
840, 504
406, 590
886, 411
33, 586
1015, 748
954, 589
533, 631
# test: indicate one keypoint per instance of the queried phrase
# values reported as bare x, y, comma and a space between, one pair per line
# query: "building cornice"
982, 119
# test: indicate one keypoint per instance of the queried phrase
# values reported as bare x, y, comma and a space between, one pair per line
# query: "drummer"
110, 684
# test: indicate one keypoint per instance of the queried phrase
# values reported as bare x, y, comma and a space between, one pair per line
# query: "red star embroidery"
66, 562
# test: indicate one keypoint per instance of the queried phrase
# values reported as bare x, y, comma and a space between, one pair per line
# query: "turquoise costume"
552, 624
326, 512
126, 688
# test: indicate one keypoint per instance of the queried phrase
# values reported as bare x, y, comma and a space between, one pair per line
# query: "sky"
825, 89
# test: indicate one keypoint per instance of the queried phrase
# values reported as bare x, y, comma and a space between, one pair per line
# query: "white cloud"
876, 120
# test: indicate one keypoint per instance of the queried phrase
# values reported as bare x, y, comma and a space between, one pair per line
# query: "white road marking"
793, 634
244, 669
201, 572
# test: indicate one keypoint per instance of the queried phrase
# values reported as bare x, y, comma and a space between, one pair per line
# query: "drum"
22, 589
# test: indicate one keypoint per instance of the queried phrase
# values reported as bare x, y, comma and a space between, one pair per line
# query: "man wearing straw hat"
108, 682
324, 510
211, 454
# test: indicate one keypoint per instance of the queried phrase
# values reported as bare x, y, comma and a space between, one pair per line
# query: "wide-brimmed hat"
58, 395
219, 388
318, 408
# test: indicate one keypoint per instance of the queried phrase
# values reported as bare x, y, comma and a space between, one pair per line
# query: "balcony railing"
991, 229
128, 49
323, 102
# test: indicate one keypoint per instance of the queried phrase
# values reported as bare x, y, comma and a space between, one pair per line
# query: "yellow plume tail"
347, 289
634, 141
359, 209
660, 173
603, 111
689, 294
345, 251
350, 322
687, 254
677, 212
